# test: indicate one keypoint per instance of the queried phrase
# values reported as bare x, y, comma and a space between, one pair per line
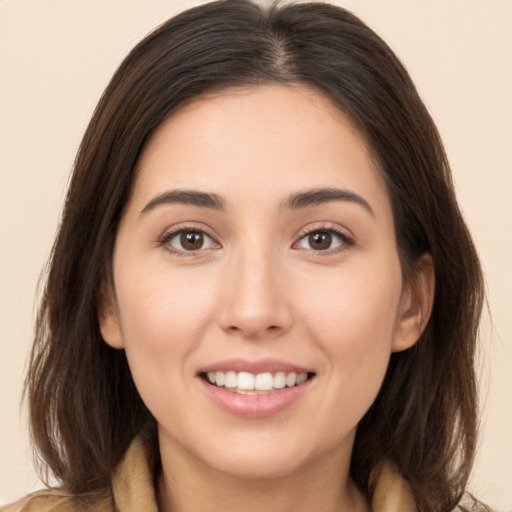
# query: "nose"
254, 302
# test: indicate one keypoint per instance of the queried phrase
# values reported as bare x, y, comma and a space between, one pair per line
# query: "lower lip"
255, 406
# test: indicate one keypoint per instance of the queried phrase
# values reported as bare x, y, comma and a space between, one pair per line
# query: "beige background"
56, 56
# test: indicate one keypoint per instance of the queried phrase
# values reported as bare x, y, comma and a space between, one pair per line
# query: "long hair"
84, 407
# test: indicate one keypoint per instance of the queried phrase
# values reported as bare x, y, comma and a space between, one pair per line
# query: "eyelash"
345, 241
168, 237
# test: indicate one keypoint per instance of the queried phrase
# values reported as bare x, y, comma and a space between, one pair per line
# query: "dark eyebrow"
324, 195
190, 197
299, 200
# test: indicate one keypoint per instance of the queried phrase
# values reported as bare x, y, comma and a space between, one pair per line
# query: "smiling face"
258, 289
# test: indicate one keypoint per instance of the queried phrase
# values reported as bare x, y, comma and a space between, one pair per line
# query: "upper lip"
255, 367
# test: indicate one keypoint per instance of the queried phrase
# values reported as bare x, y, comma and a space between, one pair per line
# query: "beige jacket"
133, 491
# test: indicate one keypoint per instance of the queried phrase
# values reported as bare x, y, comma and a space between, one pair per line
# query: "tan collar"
392, 493
134, 486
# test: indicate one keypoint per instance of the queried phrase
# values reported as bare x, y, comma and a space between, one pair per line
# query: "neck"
187, 485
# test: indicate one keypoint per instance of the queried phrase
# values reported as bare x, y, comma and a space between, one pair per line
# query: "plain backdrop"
56, 56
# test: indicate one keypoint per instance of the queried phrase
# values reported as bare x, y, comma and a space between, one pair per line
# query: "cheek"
165, 308
164, 317
359, 306
352, 318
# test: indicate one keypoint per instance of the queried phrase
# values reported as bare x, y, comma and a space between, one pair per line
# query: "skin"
257, 289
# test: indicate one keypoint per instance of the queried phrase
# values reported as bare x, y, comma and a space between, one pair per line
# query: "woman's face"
258, 249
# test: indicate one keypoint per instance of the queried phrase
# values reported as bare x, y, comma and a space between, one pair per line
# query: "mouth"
247, 383
258, 388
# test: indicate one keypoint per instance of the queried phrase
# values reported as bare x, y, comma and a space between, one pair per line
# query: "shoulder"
470, 504
57, 500
131, 489
391, 492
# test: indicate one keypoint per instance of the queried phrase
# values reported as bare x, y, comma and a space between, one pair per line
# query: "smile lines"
246, 383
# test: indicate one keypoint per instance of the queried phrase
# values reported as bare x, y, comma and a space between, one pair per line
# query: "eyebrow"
189, 197
320, 196
295, 201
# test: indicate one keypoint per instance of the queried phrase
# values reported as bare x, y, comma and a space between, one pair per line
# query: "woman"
262, 293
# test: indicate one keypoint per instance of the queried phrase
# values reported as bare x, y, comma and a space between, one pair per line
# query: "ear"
108, 316
415, 305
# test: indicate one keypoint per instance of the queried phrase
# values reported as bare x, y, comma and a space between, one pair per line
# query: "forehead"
258, 142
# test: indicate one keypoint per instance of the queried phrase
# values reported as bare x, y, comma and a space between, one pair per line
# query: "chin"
259, 465
267, 454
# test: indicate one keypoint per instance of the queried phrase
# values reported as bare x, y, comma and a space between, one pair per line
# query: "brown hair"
84, 407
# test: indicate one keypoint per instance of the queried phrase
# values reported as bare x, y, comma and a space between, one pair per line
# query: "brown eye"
188, 241
320, 240
191, 240
324, 240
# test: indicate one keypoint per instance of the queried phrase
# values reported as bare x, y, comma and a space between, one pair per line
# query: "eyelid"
175, 231
347, 240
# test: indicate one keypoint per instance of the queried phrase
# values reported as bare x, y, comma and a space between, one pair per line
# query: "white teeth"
264, 382
279, 380
245, 380
231, 380
220, 378
246, 383
291, 379
302, 377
